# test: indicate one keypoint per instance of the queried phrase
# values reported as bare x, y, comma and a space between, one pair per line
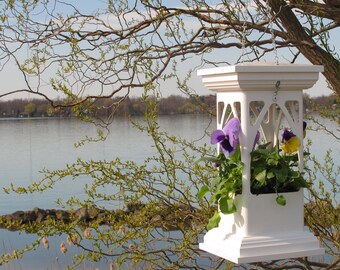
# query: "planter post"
261, 96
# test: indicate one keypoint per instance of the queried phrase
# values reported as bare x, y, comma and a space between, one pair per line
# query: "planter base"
247, 249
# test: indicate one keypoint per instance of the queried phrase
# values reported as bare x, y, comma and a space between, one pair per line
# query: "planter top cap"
260, 76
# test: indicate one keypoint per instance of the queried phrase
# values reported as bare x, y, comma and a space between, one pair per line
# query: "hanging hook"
277, 88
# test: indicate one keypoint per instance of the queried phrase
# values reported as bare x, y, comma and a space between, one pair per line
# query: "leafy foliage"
274, 172
271, 172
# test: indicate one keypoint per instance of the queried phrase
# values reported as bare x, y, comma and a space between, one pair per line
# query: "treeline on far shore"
134, 106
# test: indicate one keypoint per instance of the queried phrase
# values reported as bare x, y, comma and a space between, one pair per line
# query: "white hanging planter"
261, 230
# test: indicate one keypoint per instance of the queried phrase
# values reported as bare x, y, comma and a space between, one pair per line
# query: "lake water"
28, 145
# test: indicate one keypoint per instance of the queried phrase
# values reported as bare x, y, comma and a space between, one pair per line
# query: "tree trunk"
306, 45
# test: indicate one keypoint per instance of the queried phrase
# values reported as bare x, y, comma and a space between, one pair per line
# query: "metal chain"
277, 88
271, 29
274, 44
244, 30
243, 41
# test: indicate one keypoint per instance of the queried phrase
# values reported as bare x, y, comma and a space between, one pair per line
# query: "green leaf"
237, 154
227, 205
266, 146
261, 176
219, 194
270, 175
214, 221
281, 174
281, 200
301, 182
294, 174
272, 161
201, 193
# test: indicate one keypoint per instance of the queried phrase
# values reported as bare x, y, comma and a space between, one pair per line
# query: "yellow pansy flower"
291, 146
290, 143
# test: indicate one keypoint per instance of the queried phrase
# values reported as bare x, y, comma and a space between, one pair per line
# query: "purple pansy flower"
286, 135
228, 136
304, 125
257, 138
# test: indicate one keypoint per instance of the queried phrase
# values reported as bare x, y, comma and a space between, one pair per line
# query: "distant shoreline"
134, 106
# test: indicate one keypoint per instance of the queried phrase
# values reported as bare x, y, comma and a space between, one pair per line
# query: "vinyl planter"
263, 217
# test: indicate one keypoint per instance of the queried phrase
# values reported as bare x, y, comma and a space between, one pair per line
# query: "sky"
11, 79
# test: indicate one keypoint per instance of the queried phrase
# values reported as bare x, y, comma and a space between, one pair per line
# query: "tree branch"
315, 54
